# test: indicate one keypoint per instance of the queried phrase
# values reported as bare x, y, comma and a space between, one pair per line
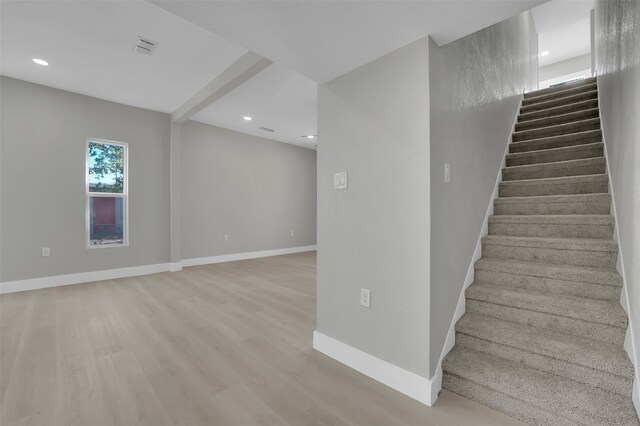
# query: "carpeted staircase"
542, 336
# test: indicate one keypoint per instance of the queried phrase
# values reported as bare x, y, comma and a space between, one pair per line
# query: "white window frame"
124, 195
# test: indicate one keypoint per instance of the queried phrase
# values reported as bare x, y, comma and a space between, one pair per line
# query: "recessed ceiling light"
545, 53
40, 62
247, 118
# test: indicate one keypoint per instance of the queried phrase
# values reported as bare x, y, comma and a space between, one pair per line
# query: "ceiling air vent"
145, 46
266, 129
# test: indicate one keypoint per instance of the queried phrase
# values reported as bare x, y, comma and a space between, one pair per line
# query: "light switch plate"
340, 180
447, 172
46, 251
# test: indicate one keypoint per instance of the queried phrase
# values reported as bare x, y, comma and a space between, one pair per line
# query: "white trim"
636, 396
243, 256
124, 194
629, 341
450, 340
110, 274
79, 278
411, 384
175, 266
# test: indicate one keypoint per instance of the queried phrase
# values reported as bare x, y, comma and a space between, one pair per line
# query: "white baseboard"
450, 340
415, 386
244, 256
636, 396
110, 274
82, 277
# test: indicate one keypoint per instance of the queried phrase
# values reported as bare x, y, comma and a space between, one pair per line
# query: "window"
107, 194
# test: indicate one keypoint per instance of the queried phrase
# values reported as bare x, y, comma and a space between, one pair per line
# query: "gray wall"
253, 189
617, 33
566, 67
373, 123
476, 86
42, 154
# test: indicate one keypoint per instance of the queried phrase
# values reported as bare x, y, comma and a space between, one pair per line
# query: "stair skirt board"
539, 330
629, 344
477, 254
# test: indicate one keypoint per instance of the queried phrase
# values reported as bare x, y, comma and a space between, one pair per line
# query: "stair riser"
597, 378
566, 86
559, 102
590, 330
516, 190
596, 259
499, 401
548, 285
564, 109
556, 142
563, 129
590, 167
557, 119
532, 100
551, 230
553, 156
596, 207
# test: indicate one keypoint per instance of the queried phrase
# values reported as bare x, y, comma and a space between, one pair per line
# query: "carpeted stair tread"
542, 392
579, 97
583, 274
559, 94
558, 119
557, 129
550, 155
561, 226
596, 203
560, 88
583, 219
586, 184
558, 110
588, 310
590, 244
559, 141
560, 346
577, 167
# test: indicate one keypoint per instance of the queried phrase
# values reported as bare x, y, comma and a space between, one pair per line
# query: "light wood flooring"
224, 344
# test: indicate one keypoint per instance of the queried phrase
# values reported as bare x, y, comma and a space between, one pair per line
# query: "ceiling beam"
240, 71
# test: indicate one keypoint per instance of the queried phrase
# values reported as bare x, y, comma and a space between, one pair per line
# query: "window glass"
107, 197
106, 168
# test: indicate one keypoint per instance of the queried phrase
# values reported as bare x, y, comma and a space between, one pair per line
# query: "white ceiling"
276, 98
324, 39
564, 29
89, 46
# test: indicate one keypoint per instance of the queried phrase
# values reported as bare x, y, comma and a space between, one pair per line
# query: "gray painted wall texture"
253, 189
373, 123
617, 50
476, 86
42, 154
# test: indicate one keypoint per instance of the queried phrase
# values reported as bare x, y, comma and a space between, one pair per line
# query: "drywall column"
476, 86
175, 199
617, 34
373, 123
